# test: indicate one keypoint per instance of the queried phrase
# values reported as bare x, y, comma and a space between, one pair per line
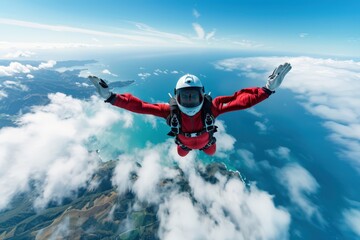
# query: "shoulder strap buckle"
209, 122
175, 124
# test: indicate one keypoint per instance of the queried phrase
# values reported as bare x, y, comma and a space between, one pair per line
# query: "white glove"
276, 78
101, 86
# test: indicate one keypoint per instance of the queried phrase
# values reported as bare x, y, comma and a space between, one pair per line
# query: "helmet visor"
189, 97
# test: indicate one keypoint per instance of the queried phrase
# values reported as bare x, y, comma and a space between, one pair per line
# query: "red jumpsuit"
242, 99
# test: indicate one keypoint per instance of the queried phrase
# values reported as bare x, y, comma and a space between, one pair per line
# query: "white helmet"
189, 94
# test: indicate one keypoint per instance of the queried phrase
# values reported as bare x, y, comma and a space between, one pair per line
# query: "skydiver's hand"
101, 86
276, 78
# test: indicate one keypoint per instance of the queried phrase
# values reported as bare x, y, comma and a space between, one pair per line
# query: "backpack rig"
174, 121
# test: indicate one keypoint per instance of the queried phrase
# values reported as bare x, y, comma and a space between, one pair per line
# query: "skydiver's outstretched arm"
248, 97
128, 101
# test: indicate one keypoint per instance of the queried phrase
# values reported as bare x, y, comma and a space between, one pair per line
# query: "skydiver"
191, 113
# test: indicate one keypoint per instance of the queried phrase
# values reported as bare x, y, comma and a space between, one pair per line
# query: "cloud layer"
327, 88
132, 34
300, 184
48, 151
16, 67
352, 219
222, 210
138, 35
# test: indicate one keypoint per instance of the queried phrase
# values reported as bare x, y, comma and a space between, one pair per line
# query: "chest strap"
176, 127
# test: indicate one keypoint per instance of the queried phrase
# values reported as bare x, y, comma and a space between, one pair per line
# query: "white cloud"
327, 88
151, 119
146, 185
3, 94
303, 35
224, 210
351, 131
30, 76
247, 44
15, 85
137, 35
247, 158
261, 126
196, 13
254, 112
144, 75
300, 184
45, 45
106, 71
16, 67
95, 39
159, 71
121, 178
149, 175
59, 28
210, 35
19, 54
172, 216
280, 153
224, 142
61, 230
161, 37
49, 148
352, 220
231, 213
48, 64
66, 174
200, 32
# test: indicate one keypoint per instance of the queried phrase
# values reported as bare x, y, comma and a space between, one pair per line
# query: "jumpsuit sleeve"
129, 102
242, 99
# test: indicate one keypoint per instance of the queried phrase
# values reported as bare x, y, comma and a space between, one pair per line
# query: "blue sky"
301, 27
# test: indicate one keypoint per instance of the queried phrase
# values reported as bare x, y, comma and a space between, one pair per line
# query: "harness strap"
210, 143
209, 123
175, 124
177, 141
175, 127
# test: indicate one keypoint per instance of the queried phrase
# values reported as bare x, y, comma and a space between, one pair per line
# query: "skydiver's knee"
182, 152
210, 150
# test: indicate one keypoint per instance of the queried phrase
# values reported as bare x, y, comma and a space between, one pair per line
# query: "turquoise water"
289, 125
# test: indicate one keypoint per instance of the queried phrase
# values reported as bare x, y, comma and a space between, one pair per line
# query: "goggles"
189, 97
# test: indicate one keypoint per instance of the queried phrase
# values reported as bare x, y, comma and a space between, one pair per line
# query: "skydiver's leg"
210, 150
182, 152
